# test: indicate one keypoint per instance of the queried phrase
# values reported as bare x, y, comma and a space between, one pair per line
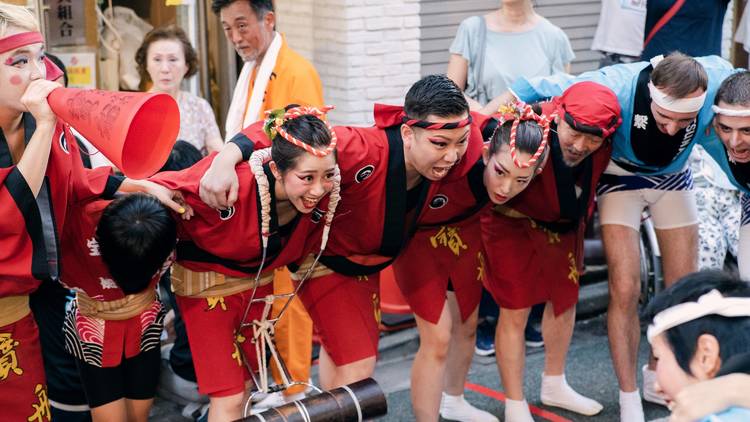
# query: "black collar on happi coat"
651, 146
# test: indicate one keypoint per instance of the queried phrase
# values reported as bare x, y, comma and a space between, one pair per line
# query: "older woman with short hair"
164, 59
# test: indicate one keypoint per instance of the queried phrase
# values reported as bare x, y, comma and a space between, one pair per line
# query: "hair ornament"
275, 120
516, 112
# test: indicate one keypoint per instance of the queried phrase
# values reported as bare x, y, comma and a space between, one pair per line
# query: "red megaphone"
134, 130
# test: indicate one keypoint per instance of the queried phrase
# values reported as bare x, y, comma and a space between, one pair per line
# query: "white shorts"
743, 255
670, 209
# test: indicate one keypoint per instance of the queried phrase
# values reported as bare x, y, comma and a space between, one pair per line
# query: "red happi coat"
24, 258
29, 253
229, 241
447, 245
371, 223
539, 258
100, 342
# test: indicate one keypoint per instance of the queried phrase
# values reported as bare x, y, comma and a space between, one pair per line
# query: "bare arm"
33, 162
458, 69
170, 198
211, 134
214, 144
706, 397
504, 98
220, 185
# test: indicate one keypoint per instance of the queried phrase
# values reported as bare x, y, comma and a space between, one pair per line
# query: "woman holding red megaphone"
40, 173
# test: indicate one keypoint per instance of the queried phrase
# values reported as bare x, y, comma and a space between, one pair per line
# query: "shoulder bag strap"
663, 21
479, 65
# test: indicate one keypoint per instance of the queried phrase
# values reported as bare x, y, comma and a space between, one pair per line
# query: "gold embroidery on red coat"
552, 237
8, 358
480, 267
376, 307
362, 278
449, 237
236, 355
42, 411
573, 268
214, 301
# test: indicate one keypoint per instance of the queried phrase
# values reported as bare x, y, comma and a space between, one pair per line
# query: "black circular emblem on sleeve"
438, 201
64, 143
226, 214
316, 215
364, 173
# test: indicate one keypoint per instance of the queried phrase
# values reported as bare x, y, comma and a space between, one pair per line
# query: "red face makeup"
21, 61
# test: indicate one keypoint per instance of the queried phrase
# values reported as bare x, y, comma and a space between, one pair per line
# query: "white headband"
678, 105
730, 112
711, 303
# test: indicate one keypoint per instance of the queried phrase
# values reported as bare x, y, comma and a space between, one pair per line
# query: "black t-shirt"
695, 30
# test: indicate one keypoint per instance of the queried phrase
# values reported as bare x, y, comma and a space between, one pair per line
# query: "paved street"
589, 371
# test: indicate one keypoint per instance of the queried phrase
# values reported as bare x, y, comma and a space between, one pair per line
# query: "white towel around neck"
236, 121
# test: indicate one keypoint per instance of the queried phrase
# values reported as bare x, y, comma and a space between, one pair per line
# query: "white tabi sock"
631, 408
517, 411
456, 408
556, 392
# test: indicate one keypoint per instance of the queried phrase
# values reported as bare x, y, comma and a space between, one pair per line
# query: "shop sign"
66, 23
80, 67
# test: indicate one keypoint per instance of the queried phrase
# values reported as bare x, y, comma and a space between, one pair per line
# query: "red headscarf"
590, 107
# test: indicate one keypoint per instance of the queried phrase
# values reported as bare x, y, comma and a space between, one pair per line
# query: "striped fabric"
670, 182
745, 201
85, 336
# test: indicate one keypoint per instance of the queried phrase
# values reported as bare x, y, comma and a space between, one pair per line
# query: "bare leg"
138, 409
332, 376
679, 255
679, 252
557, 333
115, 411
326, 369
461, 351
623, 327
226, 408
511, 350
429, 366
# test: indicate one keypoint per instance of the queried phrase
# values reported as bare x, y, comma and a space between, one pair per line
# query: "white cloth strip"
236, 120
677, 105
711, 303
730, 112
